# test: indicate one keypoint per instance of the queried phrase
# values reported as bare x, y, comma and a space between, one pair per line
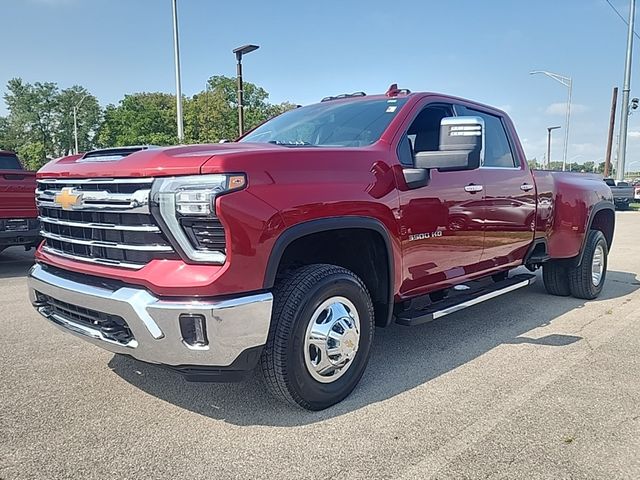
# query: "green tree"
139, 119
31, 120
88, 118
40, 121
600, 167
4, 134
555, 166
32, 154
588, 166
212, 115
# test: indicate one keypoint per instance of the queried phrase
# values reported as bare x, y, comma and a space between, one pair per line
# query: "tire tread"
556, 279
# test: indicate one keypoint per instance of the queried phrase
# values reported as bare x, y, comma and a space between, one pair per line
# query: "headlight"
180, 201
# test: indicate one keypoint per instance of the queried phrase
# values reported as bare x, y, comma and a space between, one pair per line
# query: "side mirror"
461, 146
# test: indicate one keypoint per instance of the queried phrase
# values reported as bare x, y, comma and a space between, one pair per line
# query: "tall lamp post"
176, 56
567, 82
75, 120
240, 51
549, 130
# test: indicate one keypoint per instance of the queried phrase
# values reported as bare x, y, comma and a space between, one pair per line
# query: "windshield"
9, 162
333, 123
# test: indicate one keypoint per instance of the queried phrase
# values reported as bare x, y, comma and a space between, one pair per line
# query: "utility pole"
549, 130
176, 54
624, 110
612, 123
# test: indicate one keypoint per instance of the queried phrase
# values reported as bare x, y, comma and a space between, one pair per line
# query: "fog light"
193, 329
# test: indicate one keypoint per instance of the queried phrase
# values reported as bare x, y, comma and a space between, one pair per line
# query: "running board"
460, 301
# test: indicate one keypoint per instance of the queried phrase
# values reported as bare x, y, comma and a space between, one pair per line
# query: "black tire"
556, 278
581, 282
296, 298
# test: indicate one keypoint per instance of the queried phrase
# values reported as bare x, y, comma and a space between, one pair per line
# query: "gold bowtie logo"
67, 199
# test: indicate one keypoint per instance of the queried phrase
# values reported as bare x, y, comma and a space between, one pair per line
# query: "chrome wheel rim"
332, 339
597, 265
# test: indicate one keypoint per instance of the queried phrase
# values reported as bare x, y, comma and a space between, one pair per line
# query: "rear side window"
497, 149
9, 162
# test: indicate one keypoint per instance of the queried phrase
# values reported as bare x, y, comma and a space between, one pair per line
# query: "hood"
149, 162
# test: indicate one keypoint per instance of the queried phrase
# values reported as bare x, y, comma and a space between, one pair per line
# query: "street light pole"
240, 51
75, 120
176, 55
240, 95
624, 110
549, 130
567, 82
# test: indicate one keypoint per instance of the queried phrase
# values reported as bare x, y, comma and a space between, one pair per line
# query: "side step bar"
460, 301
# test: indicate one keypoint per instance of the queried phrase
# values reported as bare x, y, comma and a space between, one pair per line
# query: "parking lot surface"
524, 386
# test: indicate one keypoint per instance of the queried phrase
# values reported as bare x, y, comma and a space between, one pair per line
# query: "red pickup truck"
18, 214
286, 248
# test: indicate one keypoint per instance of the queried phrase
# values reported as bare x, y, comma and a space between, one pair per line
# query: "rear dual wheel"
587, 279
320, 336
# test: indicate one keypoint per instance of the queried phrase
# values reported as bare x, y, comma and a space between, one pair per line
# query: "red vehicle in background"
18, 214
286, 248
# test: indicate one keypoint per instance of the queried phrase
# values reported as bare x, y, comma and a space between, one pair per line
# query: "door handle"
473, 188
525, 187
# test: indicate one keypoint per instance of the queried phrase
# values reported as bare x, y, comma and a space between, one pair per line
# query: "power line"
621, 17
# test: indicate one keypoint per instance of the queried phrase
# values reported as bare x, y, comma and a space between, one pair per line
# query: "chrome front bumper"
233, 325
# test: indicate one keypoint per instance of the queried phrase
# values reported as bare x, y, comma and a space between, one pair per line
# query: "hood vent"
112, 154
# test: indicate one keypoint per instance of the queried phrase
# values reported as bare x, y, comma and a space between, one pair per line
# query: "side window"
423, 134
497, 149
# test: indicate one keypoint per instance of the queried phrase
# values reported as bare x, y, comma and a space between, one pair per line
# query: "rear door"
510, 196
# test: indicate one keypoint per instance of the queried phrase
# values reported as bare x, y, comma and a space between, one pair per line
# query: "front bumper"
235, 327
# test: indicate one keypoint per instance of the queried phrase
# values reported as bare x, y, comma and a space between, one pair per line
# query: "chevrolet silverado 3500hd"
286, 248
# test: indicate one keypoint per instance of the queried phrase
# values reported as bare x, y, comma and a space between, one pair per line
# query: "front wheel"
320, 336
586, 281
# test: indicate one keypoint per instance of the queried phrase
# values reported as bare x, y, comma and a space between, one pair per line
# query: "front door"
441, 222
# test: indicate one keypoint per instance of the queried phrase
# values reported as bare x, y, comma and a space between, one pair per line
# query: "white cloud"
560, 108
633, 134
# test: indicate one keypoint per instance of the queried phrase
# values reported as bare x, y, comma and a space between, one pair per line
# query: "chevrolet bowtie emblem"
67, 199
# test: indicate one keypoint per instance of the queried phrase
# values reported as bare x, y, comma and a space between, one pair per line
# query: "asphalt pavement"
526, 386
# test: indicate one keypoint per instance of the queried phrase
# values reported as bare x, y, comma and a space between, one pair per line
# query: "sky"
481, 50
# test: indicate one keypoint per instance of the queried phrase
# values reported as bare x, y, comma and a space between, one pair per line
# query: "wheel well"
604, 220
360, 250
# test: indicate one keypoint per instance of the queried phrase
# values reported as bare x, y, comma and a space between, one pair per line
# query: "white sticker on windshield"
391, 108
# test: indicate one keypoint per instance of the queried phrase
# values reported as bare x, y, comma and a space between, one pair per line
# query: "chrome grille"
104, 221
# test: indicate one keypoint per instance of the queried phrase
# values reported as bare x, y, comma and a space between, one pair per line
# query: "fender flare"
598, 207
310, 227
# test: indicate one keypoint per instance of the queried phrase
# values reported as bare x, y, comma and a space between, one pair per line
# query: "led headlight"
181, 199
